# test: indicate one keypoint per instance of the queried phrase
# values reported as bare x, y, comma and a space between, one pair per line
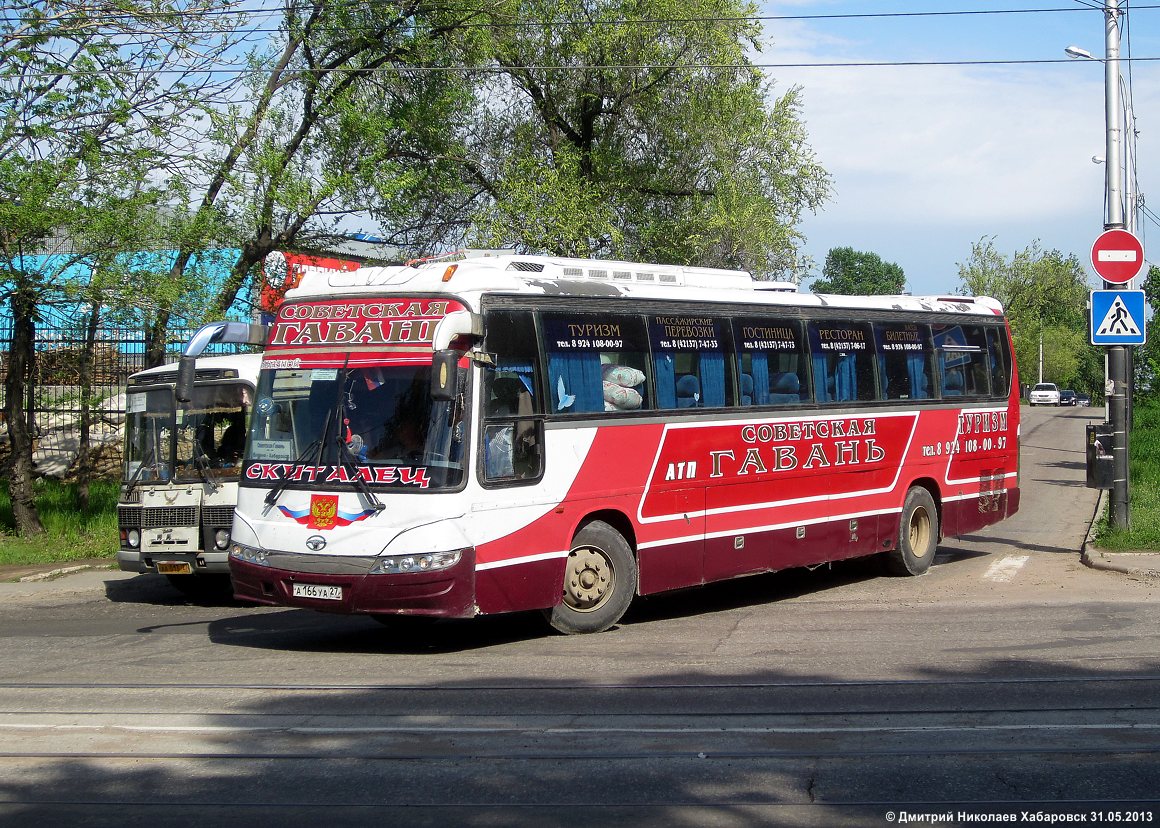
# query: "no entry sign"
1117, 256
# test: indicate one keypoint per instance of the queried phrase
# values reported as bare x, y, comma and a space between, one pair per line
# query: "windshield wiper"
348, 459
132, 484
201, 462
276, 492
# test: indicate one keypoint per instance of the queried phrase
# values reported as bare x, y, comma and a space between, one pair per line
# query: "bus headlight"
429, 562
221, 538
249, 554
133, 538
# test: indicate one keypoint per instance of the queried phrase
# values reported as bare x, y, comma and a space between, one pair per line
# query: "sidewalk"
48, 572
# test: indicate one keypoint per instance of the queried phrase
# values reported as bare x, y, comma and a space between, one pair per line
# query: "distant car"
1083, 399
1068, 397
1045, 393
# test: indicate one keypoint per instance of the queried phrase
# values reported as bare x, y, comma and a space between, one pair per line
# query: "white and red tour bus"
494, 433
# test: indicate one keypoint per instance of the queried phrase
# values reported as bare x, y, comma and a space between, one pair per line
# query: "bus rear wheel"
917, 535
599, 581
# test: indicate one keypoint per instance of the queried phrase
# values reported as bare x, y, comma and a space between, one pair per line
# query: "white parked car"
1045, 393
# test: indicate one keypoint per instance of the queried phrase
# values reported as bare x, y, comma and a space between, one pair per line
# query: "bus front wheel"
917, 535
599, 581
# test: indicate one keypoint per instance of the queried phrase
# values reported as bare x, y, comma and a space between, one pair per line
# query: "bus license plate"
325, 593
174, 568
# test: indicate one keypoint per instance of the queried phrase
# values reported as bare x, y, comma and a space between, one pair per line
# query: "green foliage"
1045, 295
658, 141
1147, 357
852, 272
1144, 485
70, 532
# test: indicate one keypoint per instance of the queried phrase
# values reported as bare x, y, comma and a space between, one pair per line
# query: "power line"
267, 12
242, 69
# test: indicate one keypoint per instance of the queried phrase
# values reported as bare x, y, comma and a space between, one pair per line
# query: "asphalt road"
1010, 679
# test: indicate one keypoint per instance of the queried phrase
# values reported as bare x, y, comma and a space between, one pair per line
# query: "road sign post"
1117, 257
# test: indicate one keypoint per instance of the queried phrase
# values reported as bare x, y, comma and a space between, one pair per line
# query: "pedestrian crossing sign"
1117, 317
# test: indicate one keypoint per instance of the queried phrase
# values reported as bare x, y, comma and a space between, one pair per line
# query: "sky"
928, 160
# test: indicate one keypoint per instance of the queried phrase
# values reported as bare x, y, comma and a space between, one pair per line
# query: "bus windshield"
375, 423
205, 438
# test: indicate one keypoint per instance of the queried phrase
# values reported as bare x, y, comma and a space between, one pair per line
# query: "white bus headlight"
249, 554
221, 538
133, 538
429, 562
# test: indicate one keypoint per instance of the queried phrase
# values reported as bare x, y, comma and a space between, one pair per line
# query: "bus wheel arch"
918, 531
600, 577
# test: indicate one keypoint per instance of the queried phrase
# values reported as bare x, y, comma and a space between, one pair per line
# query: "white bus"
180, 475
504, 432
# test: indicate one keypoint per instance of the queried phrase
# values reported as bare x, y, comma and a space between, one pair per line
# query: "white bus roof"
471, 274
247, 366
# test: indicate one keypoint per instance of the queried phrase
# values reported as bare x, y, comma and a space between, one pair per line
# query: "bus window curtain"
712, 378
666, 380
760, 367
845, 378
524, 371
822, 378
883, 384
916, 363
575, 382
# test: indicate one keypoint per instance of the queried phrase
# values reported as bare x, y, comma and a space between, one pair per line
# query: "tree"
1045, 295
852, 272
1147, 356
92, 96
332, 120
637, 129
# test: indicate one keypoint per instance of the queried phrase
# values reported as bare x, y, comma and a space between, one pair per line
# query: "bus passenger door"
678, 560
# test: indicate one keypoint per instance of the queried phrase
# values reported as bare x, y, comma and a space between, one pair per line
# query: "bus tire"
917, 535
599, 581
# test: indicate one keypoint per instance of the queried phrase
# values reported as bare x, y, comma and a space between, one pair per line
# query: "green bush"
1143, 487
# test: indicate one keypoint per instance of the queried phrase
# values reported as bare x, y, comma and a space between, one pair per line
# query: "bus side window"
596, 362
1000, 361
771, 361
689, 361
905, 358
511, 429
842, 360
964, 360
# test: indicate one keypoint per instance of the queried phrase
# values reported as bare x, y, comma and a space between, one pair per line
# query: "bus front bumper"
355, 584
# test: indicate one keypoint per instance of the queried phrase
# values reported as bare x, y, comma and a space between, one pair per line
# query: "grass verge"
1144, 487
71, 533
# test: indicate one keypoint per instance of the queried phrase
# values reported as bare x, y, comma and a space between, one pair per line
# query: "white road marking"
1004, 570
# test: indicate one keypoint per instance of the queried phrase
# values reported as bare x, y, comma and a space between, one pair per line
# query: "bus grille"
163, 516
128, 517
218, 515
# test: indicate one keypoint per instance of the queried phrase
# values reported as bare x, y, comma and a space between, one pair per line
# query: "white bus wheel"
599, 581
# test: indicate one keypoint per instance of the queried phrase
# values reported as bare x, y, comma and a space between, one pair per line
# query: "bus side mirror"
444, 369
186, 373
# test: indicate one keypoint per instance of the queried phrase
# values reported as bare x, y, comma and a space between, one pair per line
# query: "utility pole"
1118, 391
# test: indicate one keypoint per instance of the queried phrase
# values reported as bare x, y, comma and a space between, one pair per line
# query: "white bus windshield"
333, 427
204, 438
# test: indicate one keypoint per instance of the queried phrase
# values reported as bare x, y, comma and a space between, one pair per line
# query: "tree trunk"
20, 361
155, 336
84, 470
